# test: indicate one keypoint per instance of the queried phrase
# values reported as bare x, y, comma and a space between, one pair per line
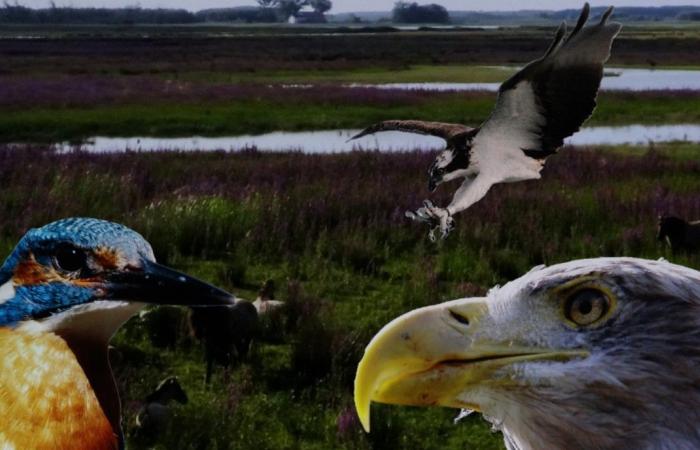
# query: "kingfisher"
65, 290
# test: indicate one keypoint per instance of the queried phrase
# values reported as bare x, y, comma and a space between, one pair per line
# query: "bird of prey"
64, 291
536, 109
591, 354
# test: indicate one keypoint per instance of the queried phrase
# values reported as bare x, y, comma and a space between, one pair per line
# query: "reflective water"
448, 27
331, 141
616, 79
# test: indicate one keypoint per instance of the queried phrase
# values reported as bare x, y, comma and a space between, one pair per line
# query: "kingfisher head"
77, 267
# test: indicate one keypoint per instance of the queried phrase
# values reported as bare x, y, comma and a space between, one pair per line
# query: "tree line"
266, 11
290, 8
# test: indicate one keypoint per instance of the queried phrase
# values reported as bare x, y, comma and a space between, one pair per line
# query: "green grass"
259, 116
238, 219
256, 408
681, 151
248, 117
457, 73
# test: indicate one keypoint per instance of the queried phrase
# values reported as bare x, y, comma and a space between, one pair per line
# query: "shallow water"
616, 79
331, 141
448, 27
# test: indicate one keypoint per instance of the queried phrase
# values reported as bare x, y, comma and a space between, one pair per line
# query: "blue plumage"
38, 297
41, 300
82, 232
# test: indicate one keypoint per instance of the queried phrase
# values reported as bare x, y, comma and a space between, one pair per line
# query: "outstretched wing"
550, 98
444, 130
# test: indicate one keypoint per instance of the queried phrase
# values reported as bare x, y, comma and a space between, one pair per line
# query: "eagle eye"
70, 259
586, 306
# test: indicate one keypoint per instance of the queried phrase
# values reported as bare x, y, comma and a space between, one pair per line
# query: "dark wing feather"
444, 130
561, 86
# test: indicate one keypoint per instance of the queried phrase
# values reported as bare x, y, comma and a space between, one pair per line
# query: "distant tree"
56, 14
405, 12
15, 13
266, 4
321, 6
690, 16
289, 8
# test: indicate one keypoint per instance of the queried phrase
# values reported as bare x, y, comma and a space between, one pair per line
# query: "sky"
364, 5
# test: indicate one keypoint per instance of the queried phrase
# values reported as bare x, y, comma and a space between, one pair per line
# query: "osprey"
64, 291
545, 102
591, 354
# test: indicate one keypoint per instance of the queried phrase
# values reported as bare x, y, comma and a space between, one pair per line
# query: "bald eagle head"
600, 353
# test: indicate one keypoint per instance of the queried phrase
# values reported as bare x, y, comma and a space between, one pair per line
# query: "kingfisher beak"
154, 283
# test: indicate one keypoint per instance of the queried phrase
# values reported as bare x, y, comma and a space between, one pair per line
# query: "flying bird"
591, 354
536, 109
64, 291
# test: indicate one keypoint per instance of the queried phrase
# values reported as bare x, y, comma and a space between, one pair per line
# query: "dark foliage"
84, 90
17, 14
245, 14
226, 333
270, 11
405, 12
695, 16
173, 54
166, 326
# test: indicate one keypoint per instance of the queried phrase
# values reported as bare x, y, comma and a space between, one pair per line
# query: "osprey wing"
439, 129
550, 98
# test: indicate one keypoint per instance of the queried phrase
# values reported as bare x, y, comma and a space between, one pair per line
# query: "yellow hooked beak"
431, 355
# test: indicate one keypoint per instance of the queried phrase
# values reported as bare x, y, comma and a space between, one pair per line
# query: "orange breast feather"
45, 399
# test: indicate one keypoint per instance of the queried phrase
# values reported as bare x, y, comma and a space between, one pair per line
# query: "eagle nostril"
459, 318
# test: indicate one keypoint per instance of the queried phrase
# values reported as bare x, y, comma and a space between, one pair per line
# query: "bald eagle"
590, 354
536, 109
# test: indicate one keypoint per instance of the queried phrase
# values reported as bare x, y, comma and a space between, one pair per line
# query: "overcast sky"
364, 5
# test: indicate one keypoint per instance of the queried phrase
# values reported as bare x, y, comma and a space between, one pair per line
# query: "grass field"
207, 82
415, 73
263, 109
173, 50
329, 229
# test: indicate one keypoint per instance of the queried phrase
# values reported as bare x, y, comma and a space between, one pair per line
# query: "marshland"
329, 229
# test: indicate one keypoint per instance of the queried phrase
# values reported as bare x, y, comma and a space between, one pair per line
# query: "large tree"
405, 12
321, 6
289, 8
266, 4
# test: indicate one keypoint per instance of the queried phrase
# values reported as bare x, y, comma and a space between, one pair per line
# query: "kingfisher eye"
586, 306
70, 259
